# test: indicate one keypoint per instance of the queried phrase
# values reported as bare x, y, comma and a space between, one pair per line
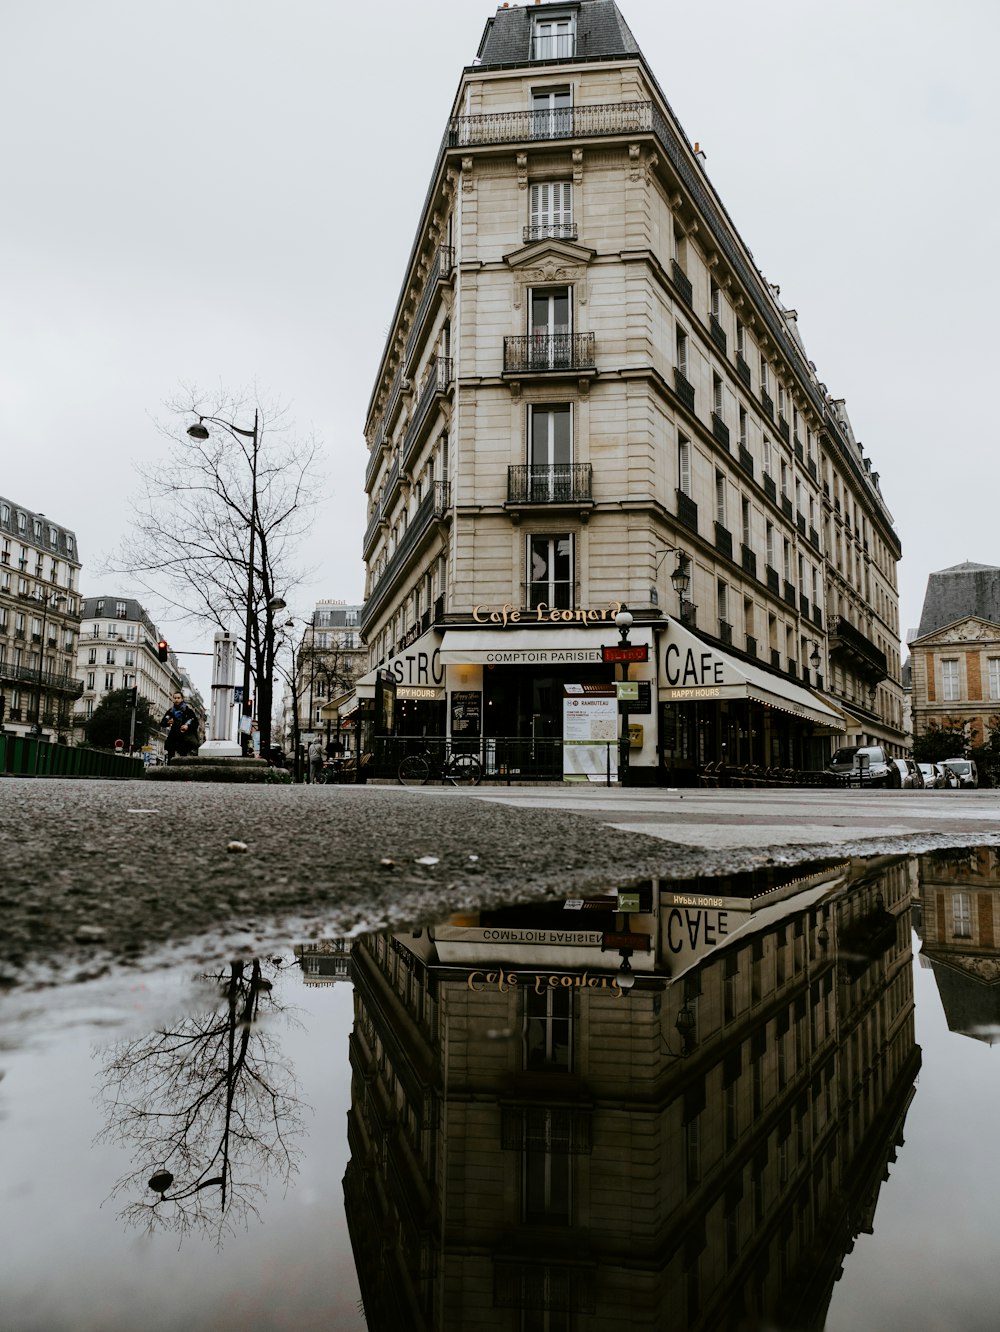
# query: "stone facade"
586, 380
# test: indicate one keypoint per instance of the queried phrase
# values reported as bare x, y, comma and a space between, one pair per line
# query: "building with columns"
590, 397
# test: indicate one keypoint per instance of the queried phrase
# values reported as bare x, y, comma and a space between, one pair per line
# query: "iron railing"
682, 282
554, 46
684, 389
437, 381
32, 675
434, 505
746, 460
500, 127
550, 231
548, 351
549, 483
687, 511
440, 269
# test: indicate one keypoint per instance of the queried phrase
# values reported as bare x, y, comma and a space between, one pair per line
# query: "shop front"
717, 711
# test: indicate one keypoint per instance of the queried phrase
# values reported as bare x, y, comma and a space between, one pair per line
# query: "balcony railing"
681, 281
790, 593
720, 430
550, 483
437, 382
717, 333
500, 127
767, 402
743, 369
751, 648
846, 641
723, 541
746, 460
783, 428
435, 504
30, 675
687, 511
770, 489
440, 269
748, 561
684, 389
538, 352
549, 231
725, 632
772, 579
786, 506
554, 46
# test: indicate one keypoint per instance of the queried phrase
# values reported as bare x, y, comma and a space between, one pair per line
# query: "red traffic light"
162, 648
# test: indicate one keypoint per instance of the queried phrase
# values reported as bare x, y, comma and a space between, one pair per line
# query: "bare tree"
190, 539
209, 1109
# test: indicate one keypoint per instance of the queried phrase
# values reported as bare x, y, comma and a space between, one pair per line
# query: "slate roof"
600, 32
955, 593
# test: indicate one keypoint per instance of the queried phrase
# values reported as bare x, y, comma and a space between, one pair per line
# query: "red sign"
619, 653
119, 744
639, 943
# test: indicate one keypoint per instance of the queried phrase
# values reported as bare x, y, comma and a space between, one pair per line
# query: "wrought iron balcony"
550, 483
550, 231
717, 333
440, 270
743, 369
48, 680
684, 389
783, 428
554, 46
790, 593
600, 121
539, 352
770, 489
720, 430
723, 541
786, 506
772, 579
681, 281
767, 402
725, 632
687, 511
751, 648
746, 460
438, 382
748, 561
851, 644
434, 505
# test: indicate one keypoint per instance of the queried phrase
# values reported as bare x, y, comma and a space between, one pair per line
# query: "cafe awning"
693, 670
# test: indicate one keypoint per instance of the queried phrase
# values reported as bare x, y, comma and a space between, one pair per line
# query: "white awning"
691, 671
547, 645
417, 665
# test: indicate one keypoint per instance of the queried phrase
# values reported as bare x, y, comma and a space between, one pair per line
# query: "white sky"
212, 192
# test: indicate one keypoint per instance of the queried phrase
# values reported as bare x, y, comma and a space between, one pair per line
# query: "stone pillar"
220, 743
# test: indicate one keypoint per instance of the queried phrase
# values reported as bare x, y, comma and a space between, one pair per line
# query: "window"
949, 680
551, 113
551, 210
99, 608
764, 375
5, 513
771, 561
90, 679
745, 521
120, 610
961, 915
781, 399
767, 458
717, 395
550, 571
787, 559
550, 437
548, 1030
741, 339
684, 466
720, 498
784, 479
92, 657
682, 352
550, 345
109, 657
130, 657
553, 38
109, 679
743, 427
715, 300
722, 597
993, 666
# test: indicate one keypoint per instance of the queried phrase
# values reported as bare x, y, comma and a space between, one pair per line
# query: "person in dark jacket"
182, 720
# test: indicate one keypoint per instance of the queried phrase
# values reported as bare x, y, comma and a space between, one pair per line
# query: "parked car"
910, 776
949, 777
964, 770
933, 777
865, 765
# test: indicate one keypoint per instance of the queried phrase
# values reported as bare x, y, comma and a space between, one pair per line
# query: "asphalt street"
98, 874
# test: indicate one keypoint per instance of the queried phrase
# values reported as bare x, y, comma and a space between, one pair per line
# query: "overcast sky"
221, 193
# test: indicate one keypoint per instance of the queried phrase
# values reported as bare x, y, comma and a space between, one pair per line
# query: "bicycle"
459, 769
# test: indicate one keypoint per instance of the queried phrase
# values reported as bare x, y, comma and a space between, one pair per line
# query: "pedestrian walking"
315, 760
182, 720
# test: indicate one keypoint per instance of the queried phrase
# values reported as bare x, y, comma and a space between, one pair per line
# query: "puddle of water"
691, 1105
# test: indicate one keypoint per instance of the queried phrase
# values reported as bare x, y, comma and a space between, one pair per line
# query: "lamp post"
680, 578
48, 601
200, 431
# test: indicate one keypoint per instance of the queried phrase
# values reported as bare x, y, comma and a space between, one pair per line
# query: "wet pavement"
755, 1100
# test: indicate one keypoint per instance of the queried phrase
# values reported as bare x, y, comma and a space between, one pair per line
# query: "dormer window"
553, 37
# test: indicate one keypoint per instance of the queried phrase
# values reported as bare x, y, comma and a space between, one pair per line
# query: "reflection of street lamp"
200, 432
52, 600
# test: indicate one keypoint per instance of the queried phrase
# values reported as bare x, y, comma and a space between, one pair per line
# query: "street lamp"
51, 600
680, 578
200, 431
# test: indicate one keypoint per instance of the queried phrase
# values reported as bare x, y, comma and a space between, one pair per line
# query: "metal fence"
26, 756
505, 760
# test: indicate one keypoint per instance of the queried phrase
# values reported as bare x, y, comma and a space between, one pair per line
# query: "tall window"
684, 466
741, 339
682, 352
551, 450
767, 458
553, 38
765, 379
551, 210
745, 521
722, 597
548, 1030
551, 113
772, 562
550, 571
949, 680
714, 299
961, 915
720, 498
743, 427
717, 395
549, 344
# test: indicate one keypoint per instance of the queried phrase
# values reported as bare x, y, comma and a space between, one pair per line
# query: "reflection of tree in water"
210, 1109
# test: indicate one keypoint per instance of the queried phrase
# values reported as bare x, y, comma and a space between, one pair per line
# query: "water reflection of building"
959, 895
531, 1149
324, 961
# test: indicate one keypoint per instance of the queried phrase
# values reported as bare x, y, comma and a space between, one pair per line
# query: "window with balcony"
109, 657
550, 211
92, 657
720, 498
90, 679
745, 521
550, 343
551, 113
682, 351
553, 37
109, 679
550, 570
550, 448
684, 466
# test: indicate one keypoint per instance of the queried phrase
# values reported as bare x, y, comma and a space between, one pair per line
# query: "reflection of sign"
619, 652
639, 943
466, 712
628, 902
539, 981
119, 745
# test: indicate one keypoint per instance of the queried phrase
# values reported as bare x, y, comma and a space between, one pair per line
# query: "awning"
416, 665
691, 671
545, 646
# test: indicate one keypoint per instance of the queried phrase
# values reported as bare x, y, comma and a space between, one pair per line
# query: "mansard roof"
961, 591
601, 32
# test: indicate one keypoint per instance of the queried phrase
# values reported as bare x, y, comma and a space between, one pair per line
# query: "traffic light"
162, 648
132, 696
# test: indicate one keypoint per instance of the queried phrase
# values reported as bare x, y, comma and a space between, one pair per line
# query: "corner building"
590, 397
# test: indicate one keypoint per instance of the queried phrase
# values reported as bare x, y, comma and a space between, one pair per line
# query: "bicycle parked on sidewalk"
461, 769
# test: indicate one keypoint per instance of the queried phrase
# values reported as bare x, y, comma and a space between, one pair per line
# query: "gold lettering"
593, 615
479, 619
540, 610
472, 981
515, 616
538, 983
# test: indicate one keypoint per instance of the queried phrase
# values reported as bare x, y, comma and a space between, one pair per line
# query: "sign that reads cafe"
544, 614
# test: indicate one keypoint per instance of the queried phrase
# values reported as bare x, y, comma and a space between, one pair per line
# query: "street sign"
639, 943
628, 902
617, 652
627, 691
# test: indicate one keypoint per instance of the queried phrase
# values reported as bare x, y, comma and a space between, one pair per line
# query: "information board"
590, 735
